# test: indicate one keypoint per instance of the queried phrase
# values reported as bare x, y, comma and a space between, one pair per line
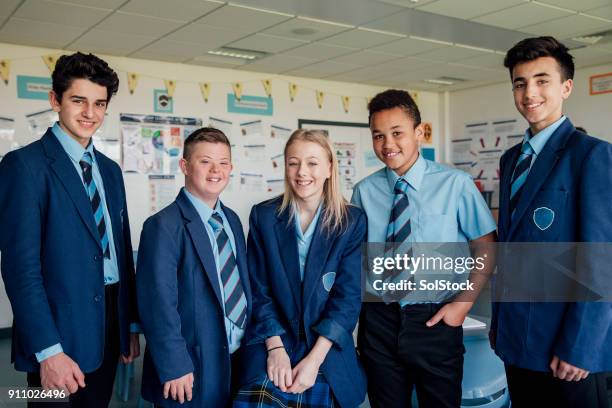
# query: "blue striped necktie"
96, 202
399, 227
521, 171
233, 293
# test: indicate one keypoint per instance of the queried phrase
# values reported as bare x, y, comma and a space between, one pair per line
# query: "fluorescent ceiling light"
248, 55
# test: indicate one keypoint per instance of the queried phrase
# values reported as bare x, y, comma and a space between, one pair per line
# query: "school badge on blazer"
328, 280
543, 217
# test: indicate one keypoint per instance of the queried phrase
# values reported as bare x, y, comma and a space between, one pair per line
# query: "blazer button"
97, 298
96, 257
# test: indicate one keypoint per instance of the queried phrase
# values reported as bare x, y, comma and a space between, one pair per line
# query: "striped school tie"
521, 171
233, 293
96, 202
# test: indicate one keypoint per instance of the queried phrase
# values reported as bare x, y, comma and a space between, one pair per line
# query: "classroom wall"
188, 101
493, 102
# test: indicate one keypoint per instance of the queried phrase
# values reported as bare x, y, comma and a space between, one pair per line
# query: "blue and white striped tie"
399, 227
233, 293
521, 171
96, 203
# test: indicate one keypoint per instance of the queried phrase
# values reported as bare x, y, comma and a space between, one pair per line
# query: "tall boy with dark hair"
556, 186
193, 288
412, 344
65, 241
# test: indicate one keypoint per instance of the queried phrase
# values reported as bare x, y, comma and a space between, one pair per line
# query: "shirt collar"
204, 211
414, 175
538, 141
71, 146
310, 230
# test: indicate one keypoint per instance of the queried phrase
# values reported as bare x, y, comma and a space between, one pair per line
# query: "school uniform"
305, 285
67, 260
399, 352
194, 299
562, 193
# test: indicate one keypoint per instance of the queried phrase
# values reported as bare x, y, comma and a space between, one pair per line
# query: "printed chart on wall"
478, 152
154, 144
347, 140
7, 136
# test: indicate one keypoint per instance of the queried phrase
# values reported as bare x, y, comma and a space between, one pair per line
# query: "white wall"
495, 102
188, 101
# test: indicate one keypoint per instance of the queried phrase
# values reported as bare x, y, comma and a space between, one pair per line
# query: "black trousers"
530, 388
400, 353
99, 383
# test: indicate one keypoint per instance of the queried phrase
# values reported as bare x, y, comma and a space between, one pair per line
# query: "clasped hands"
296, 380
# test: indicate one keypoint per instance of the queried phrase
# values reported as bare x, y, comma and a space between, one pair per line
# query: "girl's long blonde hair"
335, 211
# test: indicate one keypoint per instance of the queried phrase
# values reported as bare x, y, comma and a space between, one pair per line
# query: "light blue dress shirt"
233, 332
111, 270
538, 141
444, 206
304, 239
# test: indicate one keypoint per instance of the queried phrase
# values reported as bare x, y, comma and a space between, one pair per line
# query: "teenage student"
193, 285
304, 253
556, 186
65, 242
414, 344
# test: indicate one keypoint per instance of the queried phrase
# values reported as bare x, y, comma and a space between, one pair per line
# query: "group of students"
269, 321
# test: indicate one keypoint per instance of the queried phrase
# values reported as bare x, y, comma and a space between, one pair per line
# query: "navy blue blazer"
52, 261
181, 305
572, 178
326, 303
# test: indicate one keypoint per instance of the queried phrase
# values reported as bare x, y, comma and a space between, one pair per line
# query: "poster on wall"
162, 102
162, 191
427, 133
33, 87
39, 122
153, 144
346, 153
223, 125
7, 136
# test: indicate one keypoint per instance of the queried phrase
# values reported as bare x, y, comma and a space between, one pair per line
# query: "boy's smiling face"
395, 139
539, 91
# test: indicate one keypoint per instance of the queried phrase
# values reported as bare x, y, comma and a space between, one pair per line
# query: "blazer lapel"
505, 184
201, 242
287, 247
320, 247
111, 200
541, 168
66, 173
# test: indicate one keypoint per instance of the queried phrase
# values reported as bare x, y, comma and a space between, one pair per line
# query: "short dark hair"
205, 134
395, 98
83, 66
530, 49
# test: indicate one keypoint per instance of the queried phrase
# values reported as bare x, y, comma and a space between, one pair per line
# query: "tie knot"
86, 161
401, 186
215, 221
526, 148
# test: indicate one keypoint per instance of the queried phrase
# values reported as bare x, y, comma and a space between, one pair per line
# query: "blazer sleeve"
585, 334
344, 303
157, 289
21, 217
265, 322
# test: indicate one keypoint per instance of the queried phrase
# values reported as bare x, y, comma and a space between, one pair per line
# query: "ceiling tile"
217, 61
266, 43
197, 32
603, 12
492, 60
318, 51
409, 64
242, 18
452, 53
568, 27
408, 46
362, 74
592, 56
322, 69
522, 15
36, 33
305, 29
277, 63
466, 9
366, 58
177, 49
157, 56
110, 42
580, 5
136, 24
8, 6
360, 38
187, 11
58, 13
105, 4
476, 74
